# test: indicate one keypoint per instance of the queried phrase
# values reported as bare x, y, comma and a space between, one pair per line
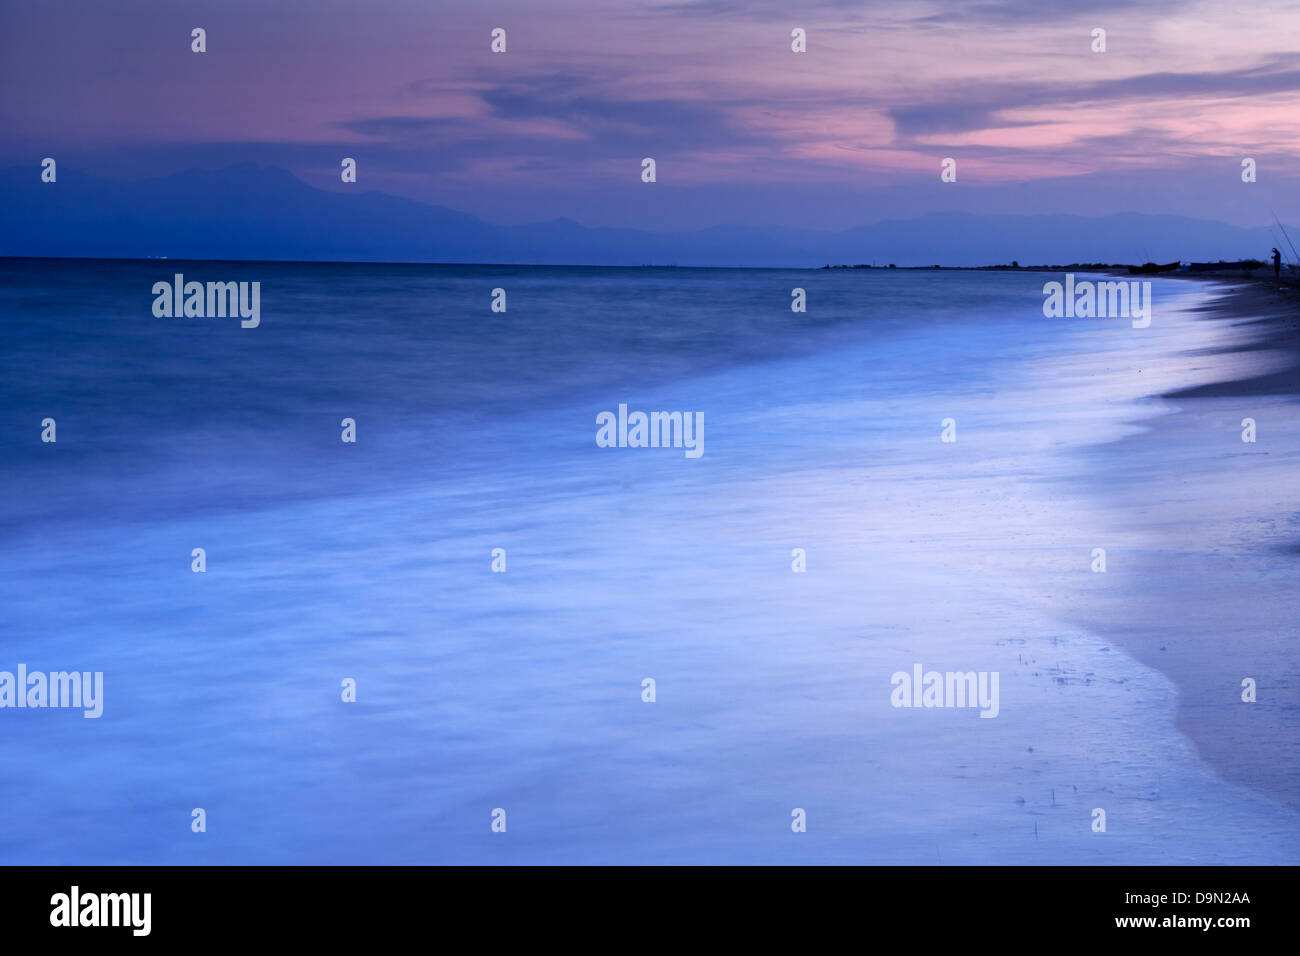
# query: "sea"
477, 635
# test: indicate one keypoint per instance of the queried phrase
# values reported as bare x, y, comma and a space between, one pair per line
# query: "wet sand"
1269, 319
1211, 585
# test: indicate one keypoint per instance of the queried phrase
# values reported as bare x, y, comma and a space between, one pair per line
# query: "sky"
743, 129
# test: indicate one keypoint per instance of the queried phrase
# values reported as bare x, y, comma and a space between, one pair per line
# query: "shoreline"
1290, 278
1271, 316
1221, 547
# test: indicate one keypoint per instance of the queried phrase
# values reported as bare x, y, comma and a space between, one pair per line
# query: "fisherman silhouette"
1277, 265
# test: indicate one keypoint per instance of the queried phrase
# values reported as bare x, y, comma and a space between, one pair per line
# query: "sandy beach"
1224, 554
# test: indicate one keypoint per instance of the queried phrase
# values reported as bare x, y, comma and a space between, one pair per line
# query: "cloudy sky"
743, 129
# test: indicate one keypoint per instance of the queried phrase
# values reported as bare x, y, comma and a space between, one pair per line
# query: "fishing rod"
1288, 238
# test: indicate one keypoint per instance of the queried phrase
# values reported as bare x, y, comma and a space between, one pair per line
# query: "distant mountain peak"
255, 211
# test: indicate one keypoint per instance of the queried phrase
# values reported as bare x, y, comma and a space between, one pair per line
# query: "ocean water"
522, 690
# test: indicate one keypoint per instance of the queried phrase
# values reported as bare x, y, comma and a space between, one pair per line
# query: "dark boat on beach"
1148, 268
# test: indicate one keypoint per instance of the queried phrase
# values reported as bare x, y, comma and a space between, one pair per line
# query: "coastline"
1228, 555
1269, 317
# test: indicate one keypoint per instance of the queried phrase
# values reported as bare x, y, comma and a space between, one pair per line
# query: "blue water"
522, 690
